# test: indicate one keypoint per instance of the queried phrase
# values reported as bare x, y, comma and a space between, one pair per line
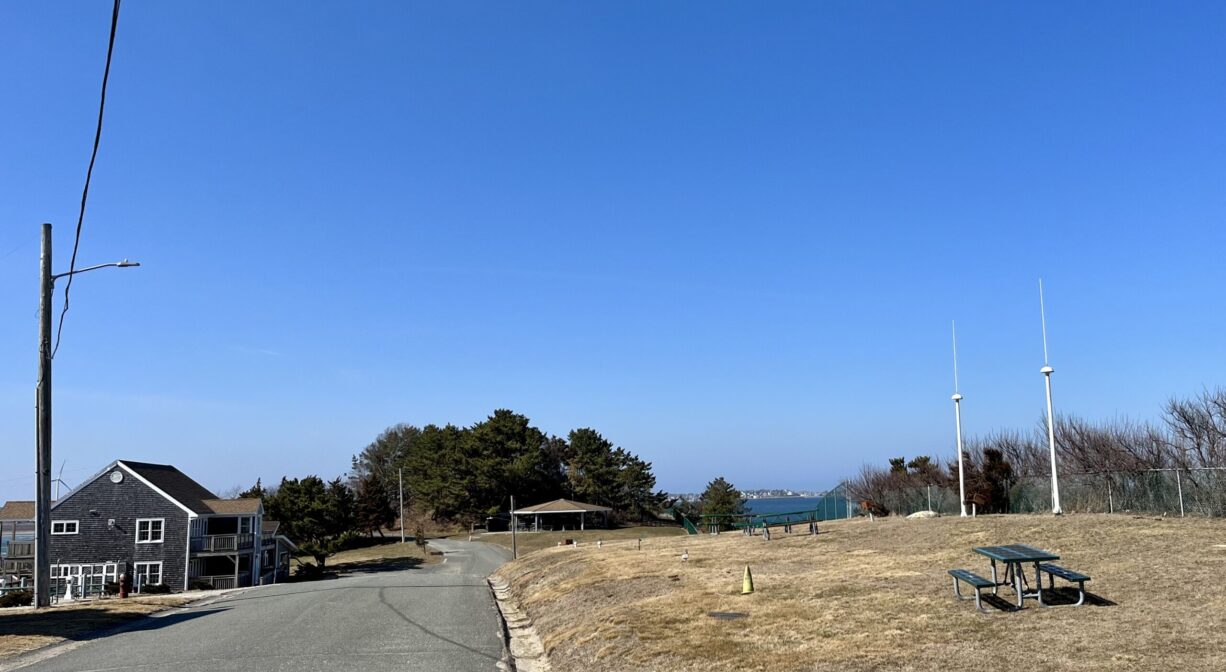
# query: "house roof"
562, 506
270, 527
175, 484
17, 510
180, 489
249, 505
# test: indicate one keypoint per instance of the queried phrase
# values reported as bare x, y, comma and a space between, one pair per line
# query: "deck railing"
20, 549
223, 581
221, 543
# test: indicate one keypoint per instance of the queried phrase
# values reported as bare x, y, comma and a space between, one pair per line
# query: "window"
64, 526
149, 530
147, 574
244, 526
90, 579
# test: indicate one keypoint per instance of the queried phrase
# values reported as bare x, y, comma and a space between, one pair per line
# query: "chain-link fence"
1176, 492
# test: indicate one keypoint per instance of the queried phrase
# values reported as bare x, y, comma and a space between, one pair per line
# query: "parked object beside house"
154, 523
16, 541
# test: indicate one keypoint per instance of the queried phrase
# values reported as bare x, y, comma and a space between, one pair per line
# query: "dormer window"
64, 527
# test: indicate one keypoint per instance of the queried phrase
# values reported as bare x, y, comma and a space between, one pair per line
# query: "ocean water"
828, 508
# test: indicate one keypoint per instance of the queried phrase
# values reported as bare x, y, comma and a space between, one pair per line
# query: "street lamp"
42, 507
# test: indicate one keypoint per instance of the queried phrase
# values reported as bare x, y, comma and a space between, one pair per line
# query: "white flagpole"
958, 420
1051, 420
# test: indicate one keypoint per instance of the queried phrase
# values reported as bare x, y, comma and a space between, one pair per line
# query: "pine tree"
376, 506
722, 498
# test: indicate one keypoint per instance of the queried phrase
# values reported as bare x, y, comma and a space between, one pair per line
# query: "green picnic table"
1013, 557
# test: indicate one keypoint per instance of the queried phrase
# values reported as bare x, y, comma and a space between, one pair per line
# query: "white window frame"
136, 573
76, 527
249, 524
97, 575
161, 530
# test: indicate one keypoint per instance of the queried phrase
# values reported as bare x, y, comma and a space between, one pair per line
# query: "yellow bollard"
747, 582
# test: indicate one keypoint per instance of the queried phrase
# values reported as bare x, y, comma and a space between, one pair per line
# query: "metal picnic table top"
1015, 553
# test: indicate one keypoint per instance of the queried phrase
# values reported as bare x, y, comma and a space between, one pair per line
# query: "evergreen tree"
386, 454
722, 498
592, 470
468, 473
254, 492
635, 484
438, 472
377, 504
313, 514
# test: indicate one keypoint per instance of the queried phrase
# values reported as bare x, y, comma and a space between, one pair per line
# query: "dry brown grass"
382, 555
535, 541
875, 595
392, 552
24, 629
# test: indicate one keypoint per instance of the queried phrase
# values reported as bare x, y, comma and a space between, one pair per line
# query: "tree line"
458, 475
463, 474
1118, 459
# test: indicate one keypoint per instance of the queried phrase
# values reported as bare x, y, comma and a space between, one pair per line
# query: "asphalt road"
439, 618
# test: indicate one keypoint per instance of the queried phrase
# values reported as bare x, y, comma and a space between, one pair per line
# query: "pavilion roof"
561, 506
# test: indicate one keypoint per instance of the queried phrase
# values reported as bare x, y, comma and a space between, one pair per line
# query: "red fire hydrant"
123, 585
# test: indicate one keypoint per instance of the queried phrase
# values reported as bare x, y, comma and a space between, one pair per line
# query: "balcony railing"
20, 549
18, 567
224, 581
222, 543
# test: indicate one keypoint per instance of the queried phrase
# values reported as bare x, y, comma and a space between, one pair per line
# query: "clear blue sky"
730, 237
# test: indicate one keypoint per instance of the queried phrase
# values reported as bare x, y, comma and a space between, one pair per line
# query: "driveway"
437, 618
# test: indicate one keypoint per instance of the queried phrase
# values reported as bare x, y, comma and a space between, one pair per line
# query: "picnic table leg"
995, 581
1017, 579
1038, 584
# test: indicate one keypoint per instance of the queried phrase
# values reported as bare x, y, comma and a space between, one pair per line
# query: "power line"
106, 74
13, 251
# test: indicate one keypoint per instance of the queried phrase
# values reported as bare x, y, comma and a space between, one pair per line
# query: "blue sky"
731, 237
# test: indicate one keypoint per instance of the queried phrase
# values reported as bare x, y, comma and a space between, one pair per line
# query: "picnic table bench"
1069, 575
1013, 557
977, 582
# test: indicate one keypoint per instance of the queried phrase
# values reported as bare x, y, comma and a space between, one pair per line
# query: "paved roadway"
439, 618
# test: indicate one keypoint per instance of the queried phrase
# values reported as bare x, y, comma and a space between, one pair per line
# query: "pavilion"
560, 506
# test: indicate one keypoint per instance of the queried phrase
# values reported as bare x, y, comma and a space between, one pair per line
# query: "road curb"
526, 652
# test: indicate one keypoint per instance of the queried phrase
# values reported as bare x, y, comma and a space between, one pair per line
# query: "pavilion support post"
581, 525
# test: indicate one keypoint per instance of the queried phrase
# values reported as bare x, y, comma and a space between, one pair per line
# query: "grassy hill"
535, 541
875, 595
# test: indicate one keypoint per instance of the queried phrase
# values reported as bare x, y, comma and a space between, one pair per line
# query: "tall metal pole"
1051, 444
961, 470
42, 507
1179, 484
958, 422
1051, 418
400, 475
514, 547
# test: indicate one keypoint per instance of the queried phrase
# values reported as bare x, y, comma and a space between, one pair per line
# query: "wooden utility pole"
42, 507
42, 405
514, 547
400, 475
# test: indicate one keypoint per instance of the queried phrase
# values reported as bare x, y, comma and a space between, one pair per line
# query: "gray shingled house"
160, 526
